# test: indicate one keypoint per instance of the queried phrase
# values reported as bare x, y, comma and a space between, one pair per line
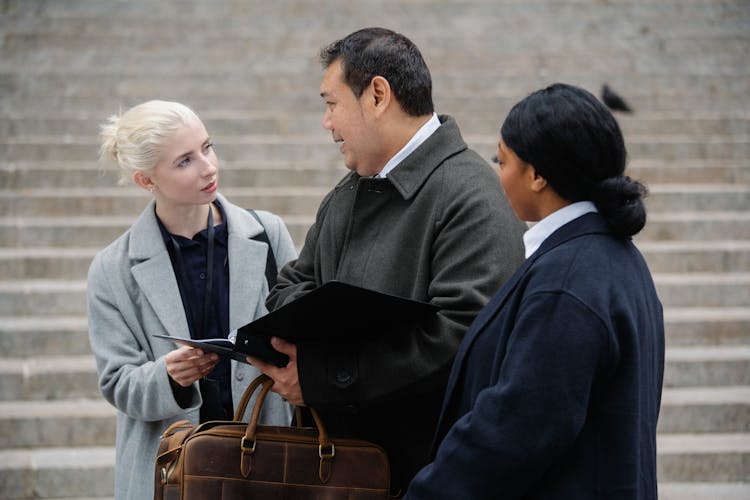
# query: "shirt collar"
220, 231
424, 132
534, 237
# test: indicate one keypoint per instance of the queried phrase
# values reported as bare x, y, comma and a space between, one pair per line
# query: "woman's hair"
573, 141
133, 139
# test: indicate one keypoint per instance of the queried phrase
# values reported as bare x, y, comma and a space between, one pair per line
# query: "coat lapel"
247, 267
154, 274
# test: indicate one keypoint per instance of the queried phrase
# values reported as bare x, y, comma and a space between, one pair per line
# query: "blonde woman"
192, 265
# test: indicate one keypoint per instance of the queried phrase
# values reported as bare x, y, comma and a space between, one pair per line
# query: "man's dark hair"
372, 52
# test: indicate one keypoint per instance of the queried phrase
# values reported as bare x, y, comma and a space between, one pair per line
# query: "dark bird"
613, 100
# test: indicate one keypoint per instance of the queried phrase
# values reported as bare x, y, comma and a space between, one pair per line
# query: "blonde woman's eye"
208, 147
184, 162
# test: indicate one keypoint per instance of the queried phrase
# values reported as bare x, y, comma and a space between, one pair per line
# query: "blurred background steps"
249, 68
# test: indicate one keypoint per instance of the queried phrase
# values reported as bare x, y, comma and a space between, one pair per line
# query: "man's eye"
208, 147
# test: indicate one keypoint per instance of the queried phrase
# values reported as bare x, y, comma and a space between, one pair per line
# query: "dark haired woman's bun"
620, 201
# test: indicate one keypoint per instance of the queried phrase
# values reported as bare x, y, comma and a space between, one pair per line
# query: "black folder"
333, 312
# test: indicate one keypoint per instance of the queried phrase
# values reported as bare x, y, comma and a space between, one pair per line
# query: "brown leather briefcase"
227, 460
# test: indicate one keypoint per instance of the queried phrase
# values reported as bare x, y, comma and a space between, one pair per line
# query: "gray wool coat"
132, 295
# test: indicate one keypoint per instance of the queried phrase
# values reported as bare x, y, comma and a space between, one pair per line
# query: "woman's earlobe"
143, 181
538, 182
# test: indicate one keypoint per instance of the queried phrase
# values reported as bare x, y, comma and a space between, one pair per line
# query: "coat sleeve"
535, 410
129, 377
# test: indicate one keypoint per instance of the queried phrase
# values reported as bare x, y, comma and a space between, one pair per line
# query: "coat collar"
416, 168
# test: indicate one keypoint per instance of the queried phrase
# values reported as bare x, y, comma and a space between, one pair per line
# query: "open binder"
333, 312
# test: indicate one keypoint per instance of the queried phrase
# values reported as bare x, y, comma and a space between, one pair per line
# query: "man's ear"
538, 183
381, 94
143, 181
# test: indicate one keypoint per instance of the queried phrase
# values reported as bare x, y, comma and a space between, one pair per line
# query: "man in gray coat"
421, 216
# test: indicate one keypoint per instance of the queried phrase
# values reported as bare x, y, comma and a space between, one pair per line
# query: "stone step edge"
321, 138
662, 279
88, 165
84, 363
671, 314
702, 443
104, 457
649, 246
704, 491
78, 407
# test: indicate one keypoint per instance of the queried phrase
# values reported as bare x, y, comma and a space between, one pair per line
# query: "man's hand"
286, 379
186, 365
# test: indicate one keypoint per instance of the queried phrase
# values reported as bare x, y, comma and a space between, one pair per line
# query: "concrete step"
52, 374
703, 289
707, 326
300, 200
132, 200
701, 197
705, 409
47, 472
317, 146
63, 422
43, 297
18, 263
66, 297
655, 171
24, 123
694, 224
704, 491
91, 422
45, 263
98, 231
73, 174
704, 366
57, 472
707, 457
646, 93
48, 378
696, 256
29, 336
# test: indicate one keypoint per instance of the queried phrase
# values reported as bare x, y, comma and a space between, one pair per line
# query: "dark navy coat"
555, 390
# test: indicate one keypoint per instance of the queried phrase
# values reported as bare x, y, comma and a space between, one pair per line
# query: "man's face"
349, 122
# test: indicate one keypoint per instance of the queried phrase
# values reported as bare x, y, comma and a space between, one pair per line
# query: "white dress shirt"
534, 237
424, 132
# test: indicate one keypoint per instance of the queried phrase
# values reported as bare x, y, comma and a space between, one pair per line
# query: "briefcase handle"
326, 449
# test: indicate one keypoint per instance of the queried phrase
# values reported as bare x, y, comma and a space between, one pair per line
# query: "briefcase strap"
326, 448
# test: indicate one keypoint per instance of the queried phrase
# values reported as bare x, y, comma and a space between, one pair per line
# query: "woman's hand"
187, 364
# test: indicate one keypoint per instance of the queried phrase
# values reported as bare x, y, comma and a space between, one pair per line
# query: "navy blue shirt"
191, 256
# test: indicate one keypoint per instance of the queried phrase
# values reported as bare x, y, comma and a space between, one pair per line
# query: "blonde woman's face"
188, 170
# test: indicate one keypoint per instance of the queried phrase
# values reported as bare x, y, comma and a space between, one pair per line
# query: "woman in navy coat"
556, 387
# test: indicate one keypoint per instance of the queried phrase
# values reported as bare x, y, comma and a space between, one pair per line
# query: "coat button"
240, 375
343, 377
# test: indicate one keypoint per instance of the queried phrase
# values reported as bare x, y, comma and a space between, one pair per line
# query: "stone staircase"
249, 68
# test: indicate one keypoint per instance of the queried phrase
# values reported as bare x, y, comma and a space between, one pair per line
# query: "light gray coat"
132, 295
